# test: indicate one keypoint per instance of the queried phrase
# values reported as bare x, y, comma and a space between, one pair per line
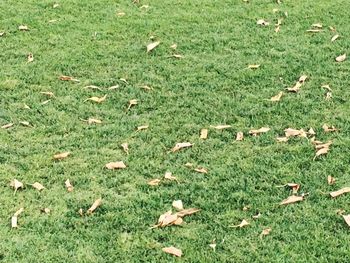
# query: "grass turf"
210, 86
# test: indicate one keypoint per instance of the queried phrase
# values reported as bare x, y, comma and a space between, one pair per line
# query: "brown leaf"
321, 151
172, 251
94, 206
69, 186
265, 232
93, 121
302, 78
347, 219
177, 204
257, 132
334, 38
204, 134
30, 57
61, 156
169, 176
296, 87
6, 126
187, 212
68, 78
97, 99
16, 184
294, 132
340, 58
330, 180
154, 182
152, 46
38, 186
327, 128
242, 224
167, 219
125, 147
140, 128
262, 22
221, 127
23, 28
48, 93
311, 131
320, 145
181, 145
15, 217
115, 165
201, 170
132, 103
254, 66
340, 192
239, 136
292, 199
25, 123
277, 97
327, 87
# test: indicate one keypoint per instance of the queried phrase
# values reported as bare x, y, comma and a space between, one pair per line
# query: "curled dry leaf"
154, 182
48, 93
262, 22
169, 218
94, 206
172, 251
221, 127
290, 132
125, 147
115, 165
181, 145
93, 121
317, 25
169, 176
254, 66
256, 216
242, 224
187, 212
38, 186
143, 127
292, 199
30, 58
152, 46
204, 134
334, 38
15, 184
61, 156
330, 180
23, 28
347, 219
132, 103
239, 136
68, 78
265, 232
295, 88
340, 58
311, 131
277, 97
201, 170
6, 126
15, 217
177, 204
302, 78
340, 192
282, 139
92, 87
327, 128
25, 123
81, 212
97, 99
177, 56
69, 186
321, 151
257, 132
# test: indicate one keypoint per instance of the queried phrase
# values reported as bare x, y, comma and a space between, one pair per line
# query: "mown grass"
210, 86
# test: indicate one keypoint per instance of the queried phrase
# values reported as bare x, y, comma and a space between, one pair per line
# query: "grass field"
94, 42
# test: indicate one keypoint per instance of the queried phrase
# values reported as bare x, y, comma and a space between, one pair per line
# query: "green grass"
210, 86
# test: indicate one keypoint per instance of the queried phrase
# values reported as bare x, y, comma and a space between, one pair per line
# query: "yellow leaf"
204, 134
292, 199
61, 156
94, 206
340, 192
38, 186
68, 185
181, 145
277, 97
97, 99
172, 251
242, 224
340, 58
152, 46
115, 165
177, 204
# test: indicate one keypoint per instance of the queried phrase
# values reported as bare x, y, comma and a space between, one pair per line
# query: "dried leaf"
2, 34
277, 29
16, 184
329, 95
327, 87
25, 123
334, 38
221, 127
213, 245
172, 251
317, 25
242, 224
290, 132
257, 132
262, 22
68, 78
347, 219
113, 87
314, 30
125, 147
115, 165
330, 180
302, 78
320, 145
327, 128
92, 87
6, 126
169, 176
81, 212
140, 128
181, 145
154, 182
45, 210
201, 170
177, 56
254, 66
295, 187
340, 192
132, 103
25, 106
55, 5
152, 46
23, 28
292, 199
68, 185
94, 206
340, 58
145, 87
38, 186
239, 136
93, 121
256, 216
97, 99
282, 139
177, 204
204, 134
277, 97
311, 131
265, 232
187, 212
173, 46
61, 156
120, 14
295, 88
15, 217
45, 102
48, 93
321, 151
30, 57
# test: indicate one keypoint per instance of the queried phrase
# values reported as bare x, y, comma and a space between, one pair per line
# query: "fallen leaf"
327, 128
140, 128
55, 5
221, 127
120, 14
124, 80
320, 145
341, 58
15, 217
201, 170
204, 134
187, 212
38, 186
132, 103
295, 187
152, 46
311, 131
257, 132
242, 224
181, 145
154, 182
254, 66
277, 97
282, 139
25, 106
169, 176
23, 28
239, 136
177, 204
94, 121
177, 56
329, 95
94, 206
213, 245
2, 34
68, 78
81, 212
115, 165
48, 93
334, 38
113, 87
172, 251
340, 192
330, 180
6, 126
125, 147
314, 30
290, 132
277, 29
292, 199
16, 184
295, 88
262, 22
30, 57
167, 219
347, 219
317, 25
173, 46
93, 87
45, 102
302, 78
69, 186
25, 123
61, 156
256, 216
45, 210
265, 232
97, 99
340, 211
189, 165
145, 87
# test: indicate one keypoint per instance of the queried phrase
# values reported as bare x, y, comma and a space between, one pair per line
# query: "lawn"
103, 44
